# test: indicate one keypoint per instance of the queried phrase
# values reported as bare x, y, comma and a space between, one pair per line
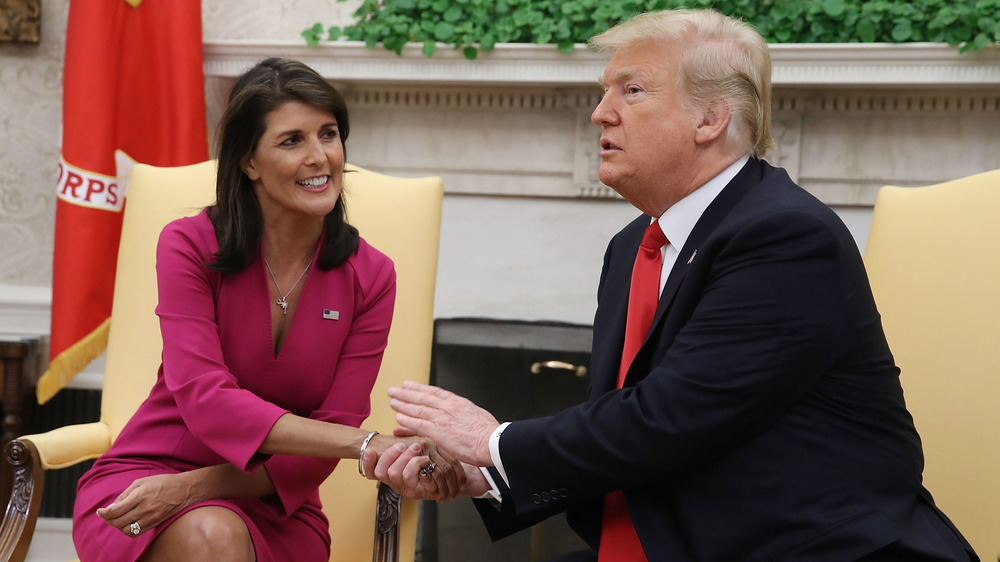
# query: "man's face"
647, 142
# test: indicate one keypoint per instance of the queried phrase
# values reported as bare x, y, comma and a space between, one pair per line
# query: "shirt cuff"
495, 453
493, 493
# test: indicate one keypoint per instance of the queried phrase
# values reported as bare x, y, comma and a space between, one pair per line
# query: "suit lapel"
687, 256
609, 328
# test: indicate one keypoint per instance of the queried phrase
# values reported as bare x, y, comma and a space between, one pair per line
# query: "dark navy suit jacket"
762, 419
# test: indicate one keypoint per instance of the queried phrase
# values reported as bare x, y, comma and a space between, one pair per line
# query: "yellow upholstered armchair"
377, 205
933, 257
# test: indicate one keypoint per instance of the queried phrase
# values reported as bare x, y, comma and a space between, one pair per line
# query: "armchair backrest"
402, 218
399, 216
933, 257
156, 196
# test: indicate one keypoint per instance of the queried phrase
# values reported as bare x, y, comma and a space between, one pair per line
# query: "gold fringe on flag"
67, 364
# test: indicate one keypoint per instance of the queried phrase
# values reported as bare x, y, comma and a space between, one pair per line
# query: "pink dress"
220, 389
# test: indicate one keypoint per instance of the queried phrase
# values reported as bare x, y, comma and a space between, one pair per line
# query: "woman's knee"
206, 533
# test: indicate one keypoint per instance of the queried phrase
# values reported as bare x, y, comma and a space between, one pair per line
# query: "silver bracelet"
361, 455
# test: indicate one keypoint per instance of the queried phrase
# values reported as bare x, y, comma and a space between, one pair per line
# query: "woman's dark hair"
236, 214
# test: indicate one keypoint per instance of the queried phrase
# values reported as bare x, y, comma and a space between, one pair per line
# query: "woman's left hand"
147, 502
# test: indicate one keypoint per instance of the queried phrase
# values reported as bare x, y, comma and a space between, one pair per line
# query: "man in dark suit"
761, 417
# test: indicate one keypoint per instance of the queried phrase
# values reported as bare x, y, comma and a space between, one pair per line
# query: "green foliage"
471, 25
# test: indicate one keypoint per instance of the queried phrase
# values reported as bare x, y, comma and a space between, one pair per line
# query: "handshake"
436, 451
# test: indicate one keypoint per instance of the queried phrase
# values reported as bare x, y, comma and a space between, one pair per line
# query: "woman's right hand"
148, 502
411, 477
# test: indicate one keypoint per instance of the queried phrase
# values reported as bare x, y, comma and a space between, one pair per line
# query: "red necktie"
619, 542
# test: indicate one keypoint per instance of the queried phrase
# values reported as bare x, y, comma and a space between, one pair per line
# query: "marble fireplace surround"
511, 135
848, 118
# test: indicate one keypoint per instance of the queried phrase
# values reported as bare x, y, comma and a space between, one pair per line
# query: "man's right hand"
399, 467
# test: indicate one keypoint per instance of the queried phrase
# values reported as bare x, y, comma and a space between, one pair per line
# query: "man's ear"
249, 168
714, 121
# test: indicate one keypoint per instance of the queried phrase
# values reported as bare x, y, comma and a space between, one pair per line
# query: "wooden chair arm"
387, 510
18, 523
29, 457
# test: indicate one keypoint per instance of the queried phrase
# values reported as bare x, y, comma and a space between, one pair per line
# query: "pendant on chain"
283, 302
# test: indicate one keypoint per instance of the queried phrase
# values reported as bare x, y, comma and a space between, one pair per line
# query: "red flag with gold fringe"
133, 91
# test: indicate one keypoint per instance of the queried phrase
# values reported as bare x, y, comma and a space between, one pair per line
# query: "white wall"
30, 122
532, 260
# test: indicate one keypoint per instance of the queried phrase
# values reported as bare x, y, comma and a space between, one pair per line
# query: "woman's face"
297, 168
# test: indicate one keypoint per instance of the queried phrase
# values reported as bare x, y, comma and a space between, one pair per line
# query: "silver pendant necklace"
283, 302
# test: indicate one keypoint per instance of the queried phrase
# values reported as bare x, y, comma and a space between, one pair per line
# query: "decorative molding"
886, 102
587, 160
811, 82
388, 507
787, 133
896, 102
471, 97
25, 499
836, 65
351, 62
19, 455
876, 65
21, 21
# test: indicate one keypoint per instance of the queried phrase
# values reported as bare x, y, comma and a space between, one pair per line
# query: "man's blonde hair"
722, 58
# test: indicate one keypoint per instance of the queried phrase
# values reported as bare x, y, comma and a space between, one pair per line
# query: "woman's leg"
206, 533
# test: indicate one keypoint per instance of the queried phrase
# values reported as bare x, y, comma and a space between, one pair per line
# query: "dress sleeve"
204, 389
233, 421
348, 401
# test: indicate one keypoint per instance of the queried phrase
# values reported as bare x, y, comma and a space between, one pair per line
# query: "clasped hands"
449, 431
435, 426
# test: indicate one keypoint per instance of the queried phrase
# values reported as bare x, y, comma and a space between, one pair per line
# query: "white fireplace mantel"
848, 118
842, 65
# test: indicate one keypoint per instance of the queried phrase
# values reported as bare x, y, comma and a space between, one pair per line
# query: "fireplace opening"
516, 370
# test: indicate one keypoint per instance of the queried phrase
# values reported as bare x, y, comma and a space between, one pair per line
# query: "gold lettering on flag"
134, 3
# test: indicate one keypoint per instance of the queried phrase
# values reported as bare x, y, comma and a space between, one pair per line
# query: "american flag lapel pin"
691, 259
331, 314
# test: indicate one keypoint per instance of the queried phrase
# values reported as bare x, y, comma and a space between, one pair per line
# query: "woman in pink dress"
274, 315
